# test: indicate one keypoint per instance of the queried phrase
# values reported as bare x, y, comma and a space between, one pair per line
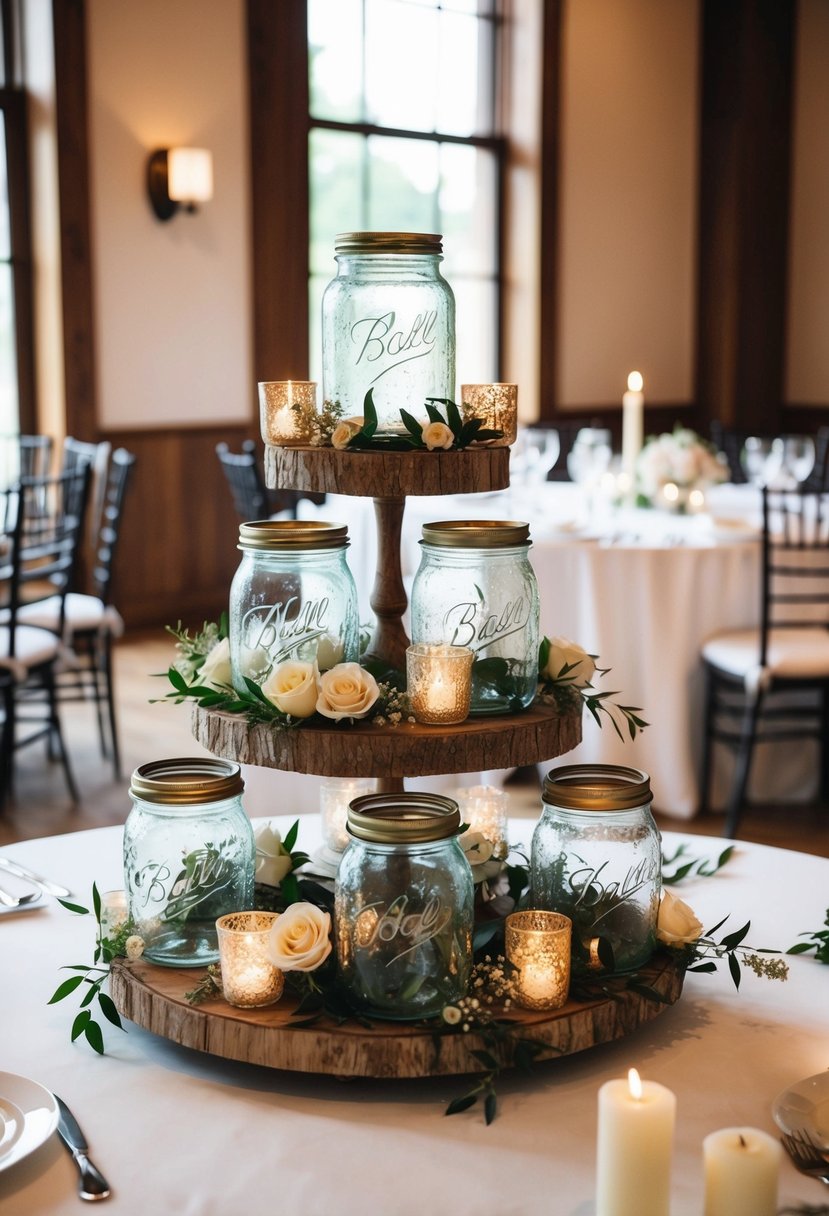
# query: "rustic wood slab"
386, 474
409, 750
153, 997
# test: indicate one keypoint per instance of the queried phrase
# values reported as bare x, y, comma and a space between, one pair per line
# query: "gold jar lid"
403, 818
291, 534
388, 242
476, 534
187, 781
596, 787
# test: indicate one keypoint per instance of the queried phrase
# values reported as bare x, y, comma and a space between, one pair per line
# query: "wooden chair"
89, 624
43, 546
251, 497
751, 673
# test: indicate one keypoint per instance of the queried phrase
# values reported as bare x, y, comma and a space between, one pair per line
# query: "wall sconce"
179, 177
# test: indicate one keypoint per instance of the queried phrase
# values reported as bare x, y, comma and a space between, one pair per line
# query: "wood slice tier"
386, 474
153, 997
408, 750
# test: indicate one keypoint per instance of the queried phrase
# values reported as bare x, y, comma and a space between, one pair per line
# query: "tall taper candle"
633, 409
635, 1143
741, 1172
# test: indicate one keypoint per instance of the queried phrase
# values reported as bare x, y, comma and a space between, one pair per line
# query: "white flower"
346, 691
329, 651
563, 654
299, 938
437, 435
479, 853
292, 687
273, 861
216, 667
345, 431
677, 925
451, 1015
134, 947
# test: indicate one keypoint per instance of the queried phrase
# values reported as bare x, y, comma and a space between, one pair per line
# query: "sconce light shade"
179, 177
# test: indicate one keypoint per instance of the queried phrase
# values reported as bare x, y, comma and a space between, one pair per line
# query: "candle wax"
741, 1172
635, 1143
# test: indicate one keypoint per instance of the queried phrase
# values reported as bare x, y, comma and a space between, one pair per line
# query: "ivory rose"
345, 431
273, 860
479, 851
564, 653
346, 691
134, 947
437, 435
292, 687
677, 925
215, 670
299, 938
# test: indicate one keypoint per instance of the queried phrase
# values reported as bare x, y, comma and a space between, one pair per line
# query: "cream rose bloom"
215, 669
345, 431
565, 653
437, 435
292, 687
134, 947
299, 938
273, 860
478, 851
346, 691
677, 925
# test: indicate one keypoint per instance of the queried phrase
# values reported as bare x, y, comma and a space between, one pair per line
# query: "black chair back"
120, 471
247, 487
795, 565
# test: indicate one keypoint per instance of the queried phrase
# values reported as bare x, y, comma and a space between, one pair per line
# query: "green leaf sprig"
694, 867
94, 977
464, 431
818, 941
705, 953
565, 694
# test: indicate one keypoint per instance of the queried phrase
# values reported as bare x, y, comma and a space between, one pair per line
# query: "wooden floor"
148, 732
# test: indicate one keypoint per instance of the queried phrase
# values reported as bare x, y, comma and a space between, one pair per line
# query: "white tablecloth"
641, 589
176, 1131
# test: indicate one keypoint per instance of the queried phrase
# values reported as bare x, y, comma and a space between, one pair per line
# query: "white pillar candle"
635, 1143
742, 1166
633, 411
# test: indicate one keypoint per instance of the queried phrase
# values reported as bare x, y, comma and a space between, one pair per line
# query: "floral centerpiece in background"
675, 469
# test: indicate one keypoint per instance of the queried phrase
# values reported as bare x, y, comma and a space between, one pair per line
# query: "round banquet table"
177, 1131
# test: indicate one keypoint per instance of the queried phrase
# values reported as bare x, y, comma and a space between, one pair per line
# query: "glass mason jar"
596, 857
292, 597
403, 906
188, 856
388, 324
475, 587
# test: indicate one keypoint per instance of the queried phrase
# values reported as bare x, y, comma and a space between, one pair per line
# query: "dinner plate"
804, 1107
38, 1112
733, 529
11, 1125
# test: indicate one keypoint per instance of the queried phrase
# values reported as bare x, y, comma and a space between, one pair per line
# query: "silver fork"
16, 901
807, 1156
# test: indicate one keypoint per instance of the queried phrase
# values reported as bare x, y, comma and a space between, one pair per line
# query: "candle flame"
635, 382
635, 1084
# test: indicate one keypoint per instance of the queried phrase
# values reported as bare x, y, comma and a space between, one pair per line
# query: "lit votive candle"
113, 912
335, 795
484, 809
742, 1166
439, 682
288, 411
635, 1143
249, 978
538, 947
496, 405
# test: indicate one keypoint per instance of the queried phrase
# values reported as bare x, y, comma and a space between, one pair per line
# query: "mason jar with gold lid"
388, 324
476, 587
596, 857
403, 906
188, 856
293, 597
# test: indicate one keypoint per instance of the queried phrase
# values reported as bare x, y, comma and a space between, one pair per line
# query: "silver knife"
93, 1185
51, 888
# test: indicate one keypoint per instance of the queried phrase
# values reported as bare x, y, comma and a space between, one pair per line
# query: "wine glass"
589, 456
541, 448
796, 456
760, 459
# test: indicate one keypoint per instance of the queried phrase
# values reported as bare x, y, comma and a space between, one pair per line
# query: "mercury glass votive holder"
288, 412
484, 808
335, 795
497, 405
249, 978
538, 947
439, 682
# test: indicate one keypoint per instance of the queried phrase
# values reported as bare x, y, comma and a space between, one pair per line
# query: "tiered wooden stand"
154, 996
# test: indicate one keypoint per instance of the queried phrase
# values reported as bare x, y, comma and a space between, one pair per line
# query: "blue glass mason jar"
403, 906
475, 587
388, 324
292, 597
596, 857
188, 856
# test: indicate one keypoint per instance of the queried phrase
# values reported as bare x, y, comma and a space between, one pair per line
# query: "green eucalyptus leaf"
290, 836
81, 911
460, 1104
94, 1037
108, 1010
490, 1107
80, 1023
64, 989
